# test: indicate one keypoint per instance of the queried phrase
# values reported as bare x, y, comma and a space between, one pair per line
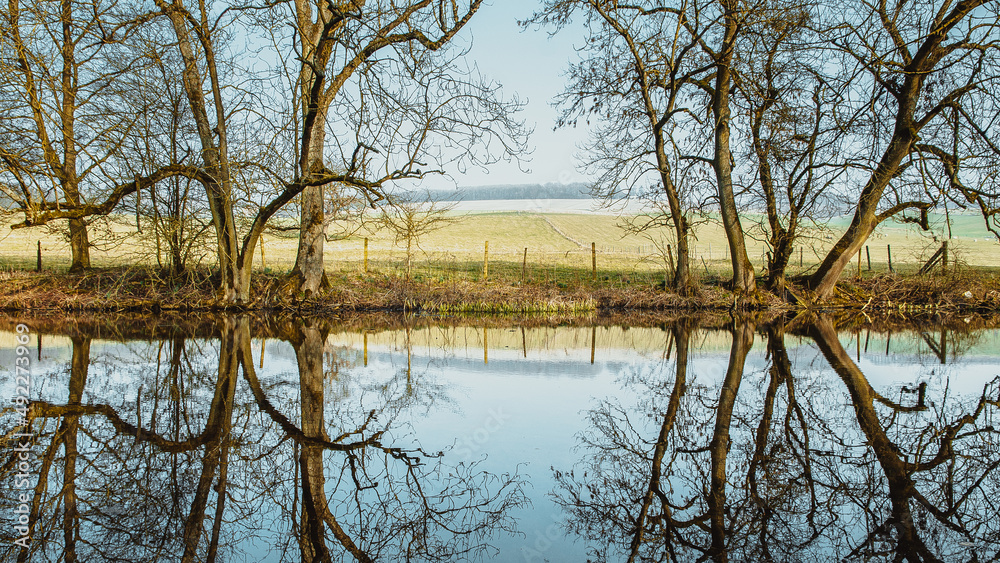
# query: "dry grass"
554, 241
448, 275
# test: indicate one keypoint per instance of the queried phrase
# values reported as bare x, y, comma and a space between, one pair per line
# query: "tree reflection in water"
775, 466
201, 462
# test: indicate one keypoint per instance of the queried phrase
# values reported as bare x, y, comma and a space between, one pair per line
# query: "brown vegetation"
145, 290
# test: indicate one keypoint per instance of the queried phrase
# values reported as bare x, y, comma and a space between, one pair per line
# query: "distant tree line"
514, 191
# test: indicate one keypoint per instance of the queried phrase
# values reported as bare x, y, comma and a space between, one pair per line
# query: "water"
282, 440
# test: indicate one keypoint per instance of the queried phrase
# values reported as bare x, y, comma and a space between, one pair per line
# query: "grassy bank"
575, 293
541, 247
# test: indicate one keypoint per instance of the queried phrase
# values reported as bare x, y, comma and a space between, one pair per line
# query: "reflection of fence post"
365, 334
593, 259
366, 255
262, 341
38, 265
486, 261
486, 345
593, 342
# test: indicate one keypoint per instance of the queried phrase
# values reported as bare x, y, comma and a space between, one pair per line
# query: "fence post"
593, 259
859, 262
38, 265
486, 261
944, 257
869, 255
524, 265
366, 256
263, 264
800, 257
888, 251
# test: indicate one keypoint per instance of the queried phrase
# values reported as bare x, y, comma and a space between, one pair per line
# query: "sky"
531, 65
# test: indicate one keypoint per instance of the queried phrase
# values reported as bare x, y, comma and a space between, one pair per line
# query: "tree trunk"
743, 275
79, 244
308, 271
865, 218
78, 240
308, 275
781, 254
682, 274
309, 344
234, 269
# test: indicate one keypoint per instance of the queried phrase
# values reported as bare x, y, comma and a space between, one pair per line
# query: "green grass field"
558, 248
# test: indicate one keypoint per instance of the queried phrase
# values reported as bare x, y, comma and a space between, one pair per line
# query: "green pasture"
558, 248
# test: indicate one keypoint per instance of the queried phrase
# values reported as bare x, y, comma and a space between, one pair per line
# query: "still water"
291, 440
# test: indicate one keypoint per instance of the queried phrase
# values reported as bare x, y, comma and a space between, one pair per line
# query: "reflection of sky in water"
521, 405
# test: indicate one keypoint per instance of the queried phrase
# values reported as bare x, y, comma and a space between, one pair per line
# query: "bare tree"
377, 79
633, 80
796, 132
411, 219
724, 25
927, 74
56, 139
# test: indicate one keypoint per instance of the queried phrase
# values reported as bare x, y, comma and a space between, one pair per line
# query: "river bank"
146, 290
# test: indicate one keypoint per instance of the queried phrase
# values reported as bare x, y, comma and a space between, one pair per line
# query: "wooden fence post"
593, 259
944, 257
869, 255
486, 261
888, 251
263, 264
366, 258
524, 265
38, 265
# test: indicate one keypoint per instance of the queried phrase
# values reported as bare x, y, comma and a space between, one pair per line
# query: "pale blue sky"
530, 64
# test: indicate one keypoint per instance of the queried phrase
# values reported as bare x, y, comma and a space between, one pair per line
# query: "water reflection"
754, 442
768, 466
215, 466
